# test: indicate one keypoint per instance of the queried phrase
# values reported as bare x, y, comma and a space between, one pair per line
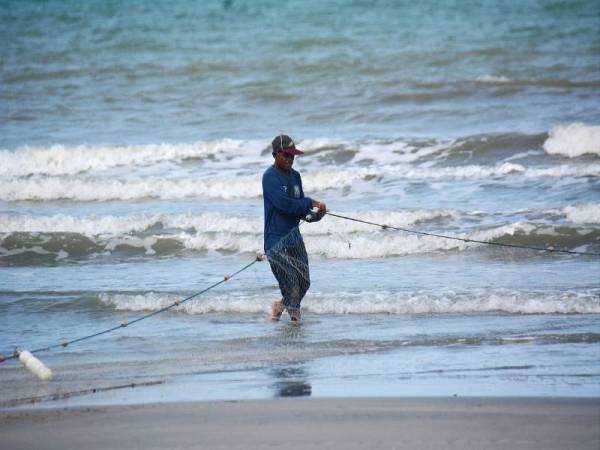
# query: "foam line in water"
64, 160
249, 186
204, 223
377, 302
209, 222
330, 239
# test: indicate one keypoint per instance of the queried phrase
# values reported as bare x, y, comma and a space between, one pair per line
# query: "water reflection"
291, 381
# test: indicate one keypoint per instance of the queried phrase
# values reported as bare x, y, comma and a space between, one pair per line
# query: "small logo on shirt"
284, 189
296, 191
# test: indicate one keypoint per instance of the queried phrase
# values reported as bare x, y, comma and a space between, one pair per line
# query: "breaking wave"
382, 244
62, 160
583, 214
377, 302
249, 186
41, 240
92, 226
576, 139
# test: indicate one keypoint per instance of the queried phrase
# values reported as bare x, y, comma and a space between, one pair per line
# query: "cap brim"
292, 151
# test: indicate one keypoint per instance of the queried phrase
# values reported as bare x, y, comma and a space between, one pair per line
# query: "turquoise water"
145, 72
133, 136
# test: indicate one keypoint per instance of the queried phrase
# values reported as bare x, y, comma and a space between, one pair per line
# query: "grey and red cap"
284, 143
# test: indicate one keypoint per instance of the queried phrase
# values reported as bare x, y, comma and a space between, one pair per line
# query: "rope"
15, 354
498, 244
139, 319
63, 395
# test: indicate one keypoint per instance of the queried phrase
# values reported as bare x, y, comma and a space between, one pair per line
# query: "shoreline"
335, 423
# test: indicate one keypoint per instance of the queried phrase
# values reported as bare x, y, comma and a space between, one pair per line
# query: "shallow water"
132, 145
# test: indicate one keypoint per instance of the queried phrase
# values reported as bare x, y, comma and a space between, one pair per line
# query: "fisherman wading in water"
285, 206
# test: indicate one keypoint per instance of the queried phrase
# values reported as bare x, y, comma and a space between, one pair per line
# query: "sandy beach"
423, 423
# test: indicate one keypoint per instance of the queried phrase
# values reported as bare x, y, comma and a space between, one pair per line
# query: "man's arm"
281, 201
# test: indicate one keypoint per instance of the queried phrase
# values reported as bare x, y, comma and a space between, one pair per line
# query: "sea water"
133, 139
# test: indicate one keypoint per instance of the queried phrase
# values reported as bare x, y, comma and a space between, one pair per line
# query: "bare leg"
277, 310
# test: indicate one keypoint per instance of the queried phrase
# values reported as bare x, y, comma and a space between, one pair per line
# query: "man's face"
284, 161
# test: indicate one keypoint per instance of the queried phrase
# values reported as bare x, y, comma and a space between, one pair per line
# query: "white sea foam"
205, 223
583, 214
384, 153
330, 238
382, 244
63, 160
469, 171
39, 188
133, 241
376, 302
119, 225
493, 79
569, 140
215, 303
573, 140
503, 170
350, 245
94, 189
378, 151
365, 244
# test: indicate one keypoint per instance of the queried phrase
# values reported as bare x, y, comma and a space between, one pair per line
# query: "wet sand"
423, 423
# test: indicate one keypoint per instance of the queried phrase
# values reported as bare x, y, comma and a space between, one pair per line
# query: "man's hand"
321, 208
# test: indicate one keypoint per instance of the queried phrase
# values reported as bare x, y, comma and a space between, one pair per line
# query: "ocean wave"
498, 171
41, 188
497, 147
583, 214
384, 244
63, 160
163, 234
159, 236
576, 139
92, 226
94, 189
376, 302
216, 187
237, 154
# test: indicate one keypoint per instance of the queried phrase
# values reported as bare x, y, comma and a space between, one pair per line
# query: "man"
285, 205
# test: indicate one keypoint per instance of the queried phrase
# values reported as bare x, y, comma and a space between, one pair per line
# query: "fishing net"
289, 264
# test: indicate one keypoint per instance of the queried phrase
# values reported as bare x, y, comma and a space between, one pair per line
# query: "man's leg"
277, 309
301, 279
304, 272
280, 269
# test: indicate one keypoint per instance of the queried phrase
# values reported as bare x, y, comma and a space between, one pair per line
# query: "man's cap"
284, 143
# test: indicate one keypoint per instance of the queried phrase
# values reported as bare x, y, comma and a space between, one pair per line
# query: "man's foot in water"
277, 310
295, 314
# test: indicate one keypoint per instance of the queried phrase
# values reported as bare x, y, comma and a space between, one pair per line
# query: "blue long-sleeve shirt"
285, 204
